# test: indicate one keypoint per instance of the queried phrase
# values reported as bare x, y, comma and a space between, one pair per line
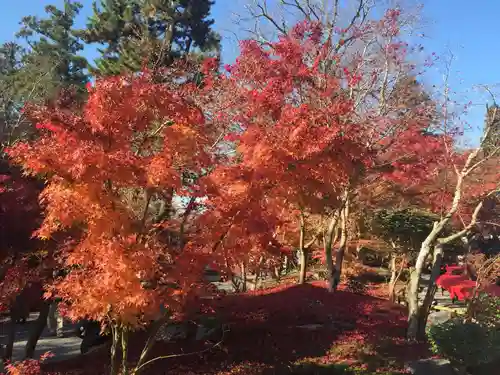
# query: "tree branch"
472, 223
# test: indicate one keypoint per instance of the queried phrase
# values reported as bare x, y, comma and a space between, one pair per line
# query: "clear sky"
468, 28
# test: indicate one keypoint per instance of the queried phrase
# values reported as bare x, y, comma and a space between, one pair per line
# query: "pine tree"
10, 61
493, 117
410, 96
154, 32
54, 50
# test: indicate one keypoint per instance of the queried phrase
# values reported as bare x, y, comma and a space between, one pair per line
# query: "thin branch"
184, 354
472, 223
266, 15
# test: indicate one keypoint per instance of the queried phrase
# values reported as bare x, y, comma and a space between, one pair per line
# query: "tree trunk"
243, 277
431, 289
413, 307
303, 266
302, 250
36, 332
142, 362
392, 282
277, 272
258, 274
124, 351
328, 241
115, 346
11, 335
339, 259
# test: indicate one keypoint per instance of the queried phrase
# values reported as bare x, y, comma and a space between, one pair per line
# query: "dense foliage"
117, 194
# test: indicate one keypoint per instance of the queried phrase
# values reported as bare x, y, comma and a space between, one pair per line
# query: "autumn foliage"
285, 132
132, 135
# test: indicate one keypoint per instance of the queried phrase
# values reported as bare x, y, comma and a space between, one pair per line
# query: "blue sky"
465, 27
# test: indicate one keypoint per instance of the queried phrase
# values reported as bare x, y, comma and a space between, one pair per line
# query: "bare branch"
266, 15
473, 221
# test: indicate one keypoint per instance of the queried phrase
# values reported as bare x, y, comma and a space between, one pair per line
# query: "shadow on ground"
280, 331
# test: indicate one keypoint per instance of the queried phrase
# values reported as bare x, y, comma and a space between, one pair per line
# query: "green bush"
465, 343
488, 310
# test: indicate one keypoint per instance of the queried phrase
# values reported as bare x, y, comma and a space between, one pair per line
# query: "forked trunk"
143, 359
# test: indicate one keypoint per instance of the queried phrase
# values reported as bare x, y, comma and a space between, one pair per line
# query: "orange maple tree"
134, 140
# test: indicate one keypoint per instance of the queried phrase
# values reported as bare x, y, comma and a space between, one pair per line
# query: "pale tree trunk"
277, 272
393, 281
470, 165
412, 295
339, 259
286, 264
329, 240
414, 313
302, 251
395, 273
431, 289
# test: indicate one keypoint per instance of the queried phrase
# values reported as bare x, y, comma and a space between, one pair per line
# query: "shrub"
487, 310
465, 343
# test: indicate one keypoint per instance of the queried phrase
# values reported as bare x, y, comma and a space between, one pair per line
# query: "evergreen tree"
10, 63
493, 116
409, 96
54, 50
155, 32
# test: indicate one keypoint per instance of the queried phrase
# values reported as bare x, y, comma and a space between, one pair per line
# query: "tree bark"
412, 295
393, 281
115, 360
469, 166
36, 332
258, 274
243, 277
11, 335
328, 241
124, 351
431, 289
302, 250
304, 256
141, 363
339, 259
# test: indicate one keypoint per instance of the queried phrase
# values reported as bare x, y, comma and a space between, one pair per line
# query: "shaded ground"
287, 329
283, 331
62, 348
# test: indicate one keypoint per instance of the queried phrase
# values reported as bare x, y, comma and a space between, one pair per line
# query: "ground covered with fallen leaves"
288, 329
